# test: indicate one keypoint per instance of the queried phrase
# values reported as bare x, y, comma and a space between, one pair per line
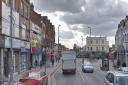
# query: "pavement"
49, 71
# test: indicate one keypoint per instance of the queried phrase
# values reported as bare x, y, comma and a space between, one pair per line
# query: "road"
80, 78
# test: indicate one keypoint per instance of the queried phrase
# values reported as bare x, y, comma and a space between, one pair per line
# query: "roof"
119, 73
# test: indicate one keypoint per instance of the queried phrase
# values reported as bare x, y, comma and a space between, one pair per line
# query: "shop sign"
7, 42
16, 43
24, 49
25, 44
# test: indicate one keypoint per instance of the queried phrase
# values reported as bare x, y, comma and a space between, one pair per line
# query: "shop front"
25, 55
36, 56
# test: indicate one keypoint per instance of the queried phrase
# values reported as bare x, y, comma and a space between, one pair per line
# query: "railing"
17, 29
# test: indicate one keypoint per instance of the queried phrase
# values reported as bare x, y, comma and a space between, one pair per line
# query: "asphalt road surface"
80, 78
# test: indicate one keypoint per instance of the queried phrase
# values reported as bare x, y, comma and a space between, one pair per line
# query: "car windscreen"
122, 80
34, 75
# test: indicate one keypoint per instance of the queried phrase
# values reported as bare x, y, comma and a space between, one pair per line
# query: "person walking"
123, 64
52, 60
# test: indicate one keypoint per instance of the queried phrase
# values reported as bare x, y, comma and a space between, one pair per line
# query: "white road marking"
82, 77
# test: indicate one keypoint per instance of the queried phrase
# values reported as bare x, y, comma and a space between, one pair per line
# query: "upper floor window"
102, 48
21, 8
24, 9
102, 41
91, 42
96, 41
88, 42
24, 27
96, 48
91, 48
14, 4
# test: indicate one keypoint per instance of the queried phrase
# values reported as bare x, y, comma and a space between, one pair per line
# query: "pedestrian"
41, 63
52, 60
123, 64
118, 63
36, 63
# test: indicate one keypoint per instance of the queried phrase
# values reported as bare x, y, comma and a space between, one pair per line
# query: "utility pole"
12, 57
90, 30
58, 39
82, 41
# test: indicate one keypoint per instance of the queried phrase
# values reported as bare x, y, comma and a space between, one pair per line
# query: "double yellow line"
53, 80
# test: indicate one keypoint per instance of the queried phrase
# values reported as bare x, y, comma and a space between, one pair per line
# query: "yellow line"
53, 77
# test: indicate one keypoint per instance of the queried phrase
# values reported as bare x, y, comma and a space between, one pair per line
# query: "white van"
69, 62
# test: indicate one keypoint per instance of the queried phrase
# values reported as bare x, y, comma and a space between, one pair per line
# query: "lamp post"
58, 39
90, 31
82, 41
12, 57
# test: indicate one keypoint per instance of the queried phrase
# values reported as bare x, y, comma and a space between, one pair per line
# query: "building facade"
95, 44
23, 36
121, 41
36, 37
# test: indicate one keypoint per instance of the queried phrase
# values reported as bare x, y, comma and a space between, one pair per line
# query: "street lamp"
90, 31
44, 41
82, 41
58, 39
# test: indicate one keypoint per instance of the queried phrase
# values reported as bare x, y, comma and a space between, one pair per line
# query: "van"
69, 62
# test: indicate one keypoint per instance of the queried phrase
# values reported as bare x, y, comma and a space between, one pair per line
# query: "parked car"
116, 78
87, 67
35, 78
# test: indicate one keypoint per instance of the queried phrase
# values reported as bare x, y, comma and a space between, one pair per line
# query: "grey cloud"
59, 5
105, 29
66, 35
102, 15
96, 15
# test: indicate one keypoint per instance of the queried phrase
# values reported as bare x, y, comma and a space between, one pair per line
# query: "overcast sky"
75, 16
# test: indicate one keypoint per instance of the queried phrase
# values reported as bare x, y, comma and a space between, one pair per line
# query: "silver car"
116, 78
87, 67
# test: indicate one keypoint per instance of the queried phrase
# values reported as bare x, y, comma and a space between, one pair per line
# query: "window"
96, 48
14, 4
102, 48
7, 2
91, 48
26, 11
96, 41
21, 8
88, 48
91, 41
88, 42
23, 31
102, 41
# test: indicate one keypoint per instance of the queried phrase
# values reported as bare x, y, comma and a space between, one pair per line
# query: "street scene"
63, 42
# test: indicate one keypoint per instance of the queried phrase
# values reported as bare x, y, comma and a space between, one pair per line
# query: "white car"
87, 67
116, 78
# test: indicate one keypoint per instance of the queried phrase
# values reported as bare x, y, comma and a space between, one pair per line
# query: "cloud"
102, 15
66, 35
59, 5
